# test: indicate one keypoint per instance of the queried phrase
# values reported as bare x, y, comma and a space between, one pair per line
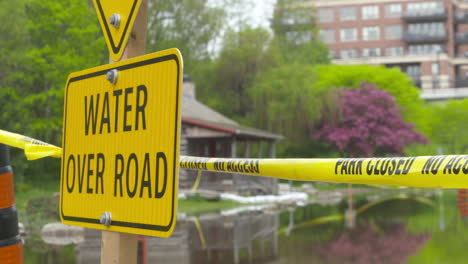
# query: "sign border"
176, 142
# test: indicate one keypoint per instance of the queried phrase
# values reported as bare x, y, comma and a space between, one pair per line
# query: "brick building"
428, 40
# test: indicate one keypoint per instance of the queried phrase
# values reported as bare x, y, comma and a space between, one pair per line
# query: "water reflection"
246, 238
405, 226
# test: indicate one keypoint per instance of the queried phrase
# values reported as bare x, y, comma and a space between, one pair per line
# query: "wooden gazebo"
207, 133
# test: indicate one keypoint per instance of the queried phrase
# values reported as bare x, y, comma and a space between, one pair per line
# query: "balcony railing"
461, 18
425, 15
461, 38
386, 55
415, 38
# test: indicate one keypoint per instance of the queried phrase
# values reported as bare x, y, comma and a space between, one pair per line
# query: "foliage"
366, 123
296, 35
241, 58
449, 127
49, 40
284, 100
198, 207
189, 25
390, 80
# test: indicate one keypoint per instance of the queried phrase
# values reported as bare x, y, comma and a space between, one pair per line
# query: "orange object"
12, 254
11, 246
7, 196
462, 202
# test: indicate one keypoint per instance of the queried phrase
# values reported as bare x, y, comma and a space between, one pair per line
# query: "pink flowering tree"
365, 122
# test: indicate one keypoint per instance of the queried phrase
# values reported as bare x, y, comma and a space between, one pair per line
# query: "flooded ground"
399, 226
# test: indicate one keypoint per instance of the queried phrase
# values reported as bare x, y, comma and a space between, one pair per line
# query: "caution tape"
197, 181
33, 148
425, 171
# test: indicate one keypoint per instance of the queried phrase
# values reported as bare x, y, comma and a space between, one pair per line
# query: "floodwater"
399, 226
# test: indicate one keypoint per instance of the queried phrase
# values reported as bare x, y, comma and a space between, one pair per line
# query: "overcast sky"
261, 12
255, 12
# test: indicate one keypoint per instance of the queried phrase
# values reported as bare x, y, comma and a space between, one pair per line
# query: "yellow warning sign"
116, 18
121, 145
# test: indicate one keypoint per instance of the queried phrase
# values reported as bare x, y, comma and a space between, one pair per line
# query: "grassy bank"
26, 192
195, 206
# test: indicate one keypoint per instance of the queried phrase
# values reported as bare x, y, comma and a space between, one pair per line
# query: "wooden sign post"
120, 248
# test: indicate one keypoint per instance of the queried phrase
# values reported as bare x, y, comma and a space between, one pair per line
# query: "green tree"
54, 39
449, 128
192, 26
296, 35
284, 100
242, 57
391, 80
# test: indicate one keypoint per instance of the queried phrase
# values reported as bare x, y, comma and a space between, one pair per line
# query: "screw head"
106, 219
112, 75
114, 20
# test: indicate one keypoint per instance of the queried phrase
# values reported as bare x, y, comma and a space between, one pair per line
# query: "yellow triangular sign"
116, 18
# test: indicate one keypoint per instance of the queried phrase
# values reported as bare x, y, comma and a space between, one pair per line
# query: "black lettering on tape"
376, 167
432, 165
370, 167
408, 165
337, 164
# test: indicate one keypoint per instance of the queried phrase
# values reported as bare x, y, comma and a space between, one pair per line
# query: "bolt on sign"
121, 132
116, 18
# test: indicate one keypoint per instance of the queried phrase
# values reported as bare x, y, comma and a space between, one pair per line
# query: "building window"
327, 35
370, 33
370, 12
349, 53
393, 10
299, 37
394, 51
432, 29
393, 32
414, 72
348, 34
347, 13
425, 8
424, 49
435, 68
371, 52
325, 15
